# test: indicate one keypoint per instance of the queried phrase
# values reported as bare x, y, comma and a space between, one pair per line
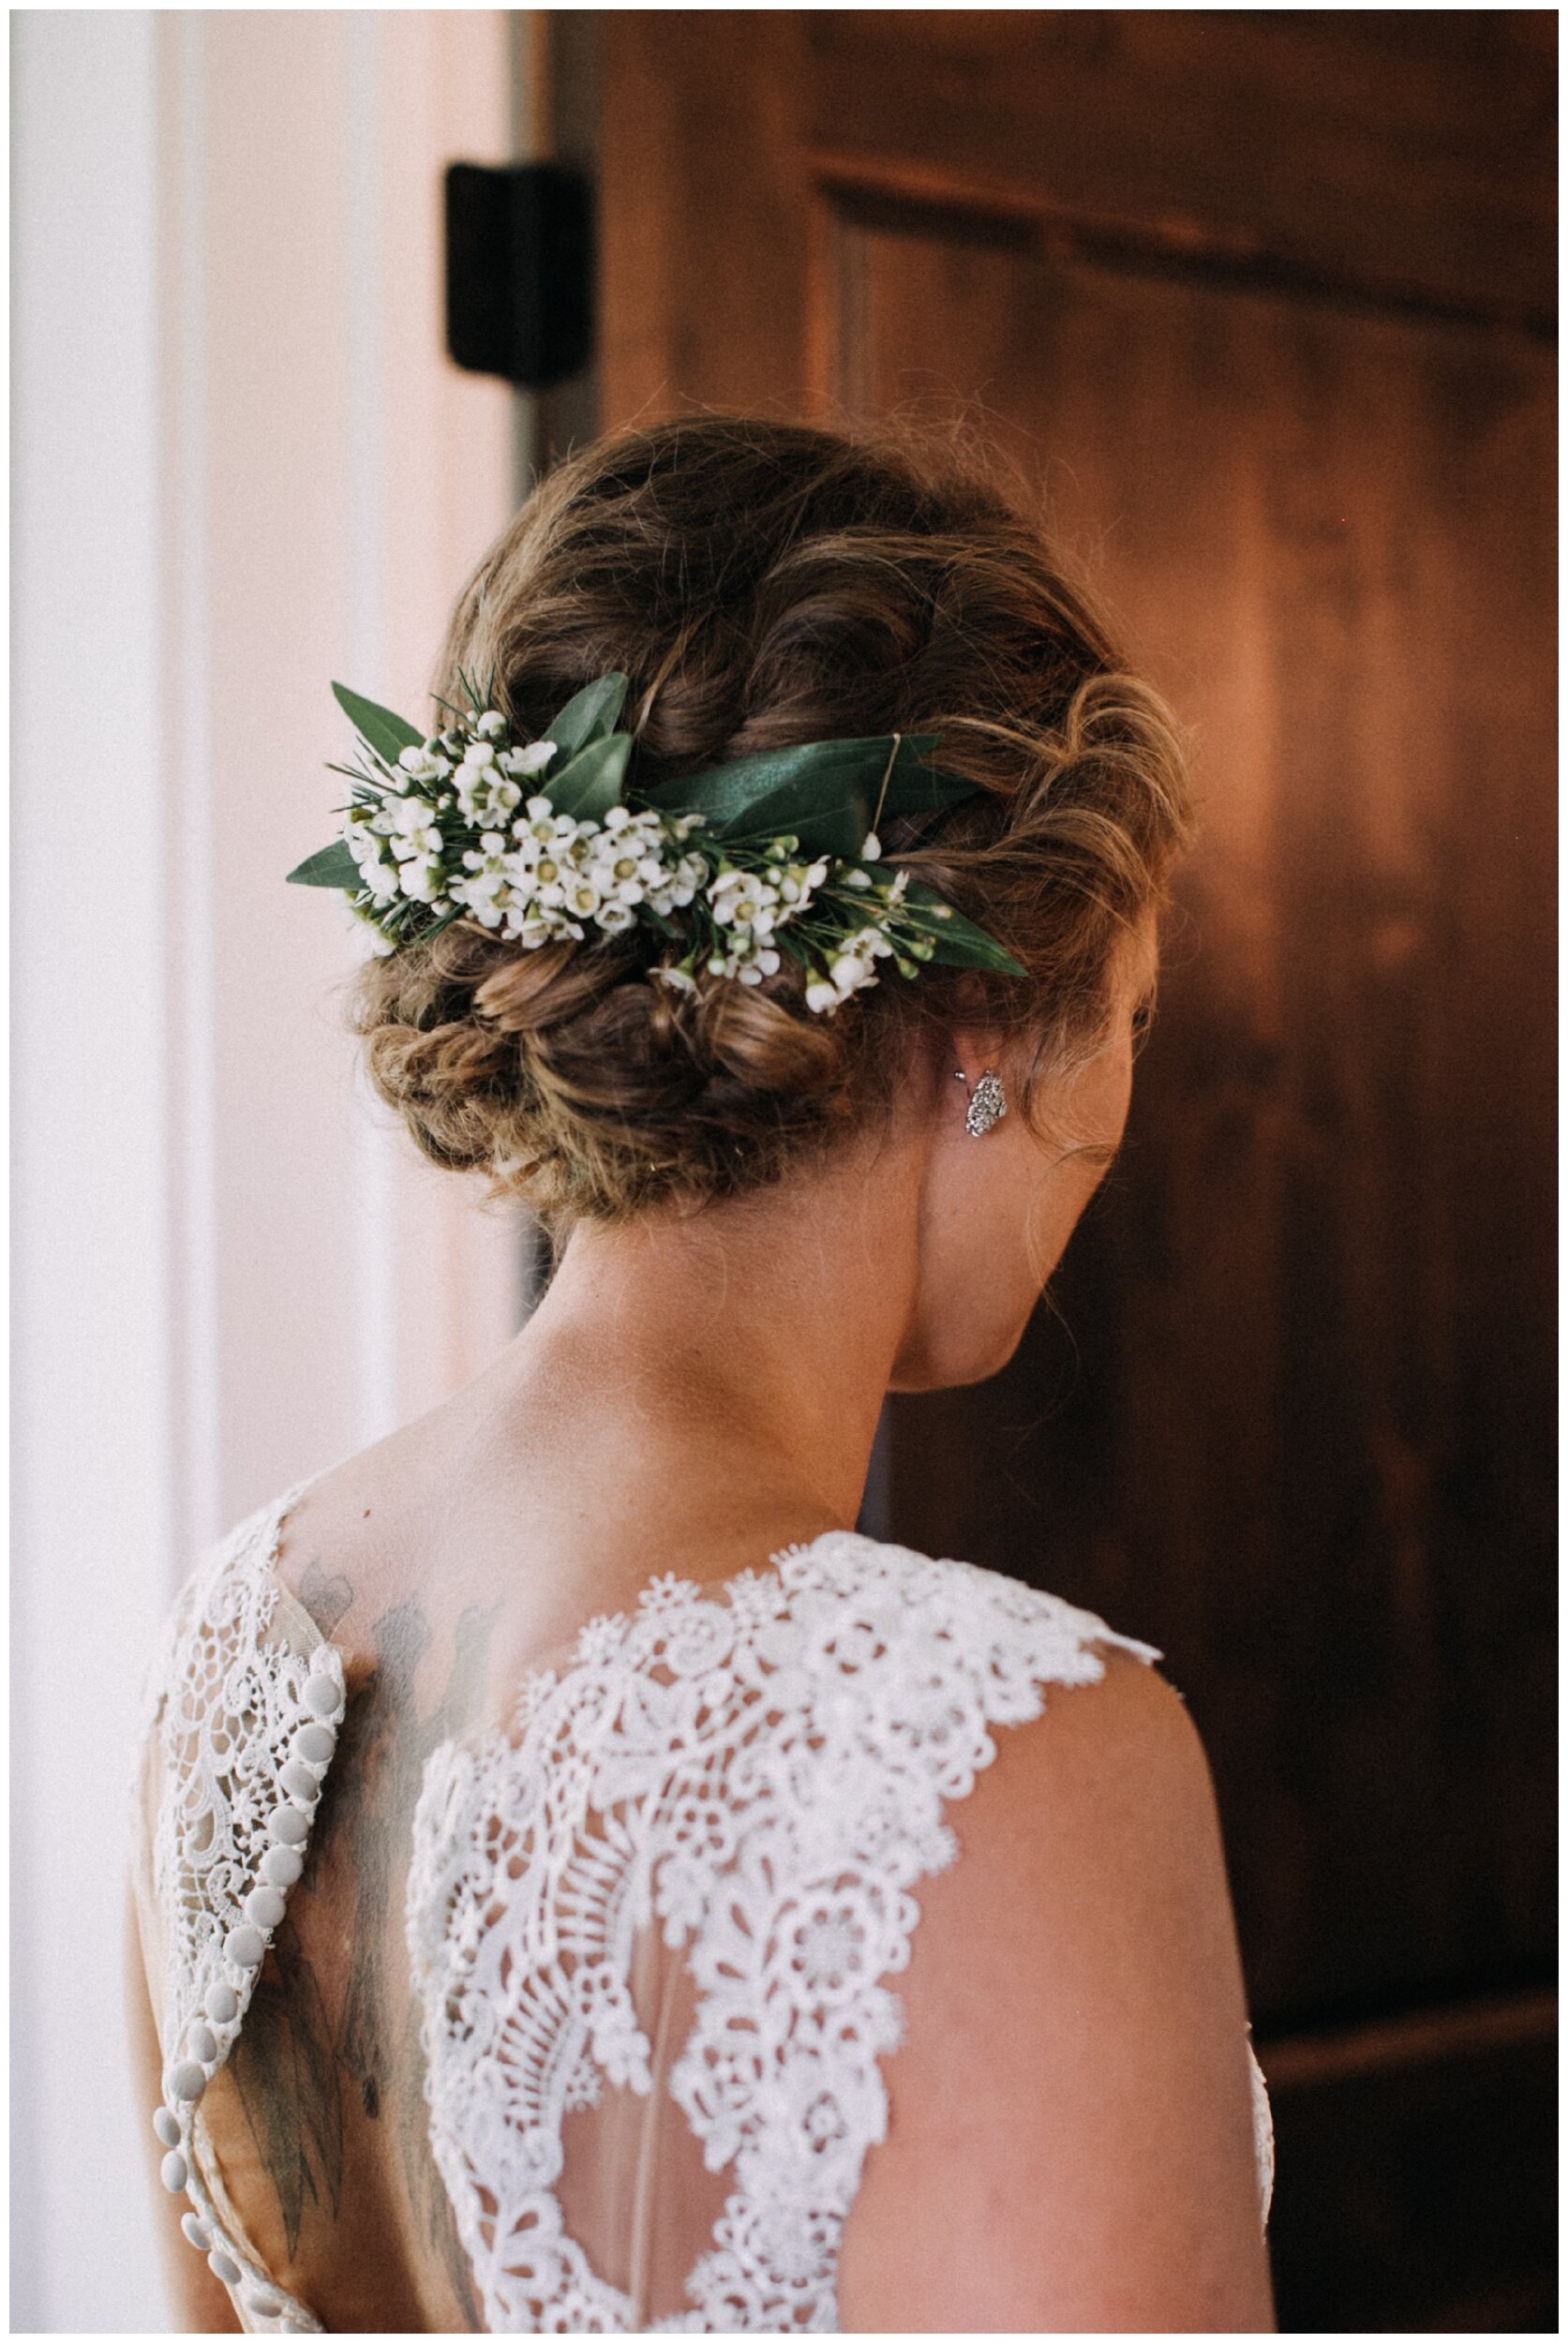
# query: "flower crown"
732, 869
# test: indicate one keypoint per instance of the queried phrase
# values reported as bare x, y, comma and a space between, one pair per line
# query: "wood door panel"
1315, 1316
1423, 2151
1325, 143
1259, 305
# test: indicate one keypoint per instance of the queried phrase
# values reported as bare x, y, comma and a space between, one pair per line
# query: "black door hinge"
520, 271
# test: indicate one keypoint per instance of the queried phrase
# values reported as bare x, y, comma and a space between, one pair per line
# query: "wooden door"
1258, 308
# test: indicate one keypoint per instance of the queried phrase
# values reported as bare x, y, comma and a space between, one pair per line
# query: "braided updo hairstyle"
762, 585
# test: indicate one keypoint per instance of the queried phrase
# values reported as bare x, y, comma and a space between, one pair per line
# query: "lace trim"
763, 1776
246, 1726
1262, 2133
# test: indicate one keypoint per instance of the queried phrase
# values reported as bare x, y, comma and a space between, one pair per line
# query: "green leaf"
590, 783
963, 945
593, 715
387, 733
334, 866
960, 944
827, 791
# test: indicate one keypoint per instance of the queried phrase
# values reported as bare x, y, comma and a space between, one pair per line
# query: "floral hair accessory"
730, 869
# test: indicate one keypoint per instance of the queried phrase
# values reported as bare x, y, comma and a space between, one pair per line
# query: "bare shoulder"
1071, 2137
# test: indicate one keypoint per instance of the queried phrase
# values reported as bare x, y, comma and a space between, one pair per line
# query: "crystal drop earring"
988, 1103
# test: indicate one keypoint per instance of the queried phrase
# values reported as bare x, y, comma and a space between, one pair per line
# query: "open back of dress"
654, 1928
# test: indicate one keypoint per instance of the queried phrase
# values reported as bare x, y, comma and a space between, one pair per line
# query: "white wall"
242, 467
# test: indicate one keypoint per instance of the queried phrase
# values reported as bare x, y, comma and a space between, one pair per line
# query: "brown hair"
762, 585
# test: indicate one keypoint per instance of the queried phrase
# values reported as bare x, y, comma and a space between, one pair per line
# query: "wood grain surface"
1257, 310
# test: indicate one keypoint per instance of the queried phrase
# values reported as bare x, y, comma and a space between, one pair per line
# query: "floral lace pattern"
756, 1772
241, 1726
761, 1775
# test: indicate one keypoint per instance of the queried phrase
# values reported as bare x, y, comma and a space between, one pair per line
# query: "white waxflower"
744, 907
871, 850
411, 817
582, 897
420, 842
616, 917
744, 899
480, 753
420, 878
379, 876
527, 929
857, 878
482, 895
849, 974
820, 996
521, 762
620, 876
420, 765
484, 793
491, 726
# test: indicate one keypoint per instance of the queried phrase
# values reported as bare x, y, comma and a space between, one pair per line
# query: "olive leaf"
387, 733
591, 715
959, 943
826, 793
590, 783
334, 866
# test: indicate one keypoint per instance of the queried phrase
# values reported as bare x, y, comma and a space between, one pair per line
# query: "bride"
584, 1885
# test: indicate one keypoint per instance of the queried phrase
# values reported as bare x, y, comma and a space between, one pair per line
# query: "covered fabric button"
282, 1865
321, 1696
223, 2005
322, 1659
167, 2125
263, 2305
223, 2266
288, 1826
315, 1744
196, 2233
187, 2082
265, 1906
244, 1946
173, 2172
202, 2044
300, 1783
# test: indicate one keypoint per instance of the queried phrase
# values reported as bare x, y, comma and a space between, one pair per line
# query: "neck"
754, 1339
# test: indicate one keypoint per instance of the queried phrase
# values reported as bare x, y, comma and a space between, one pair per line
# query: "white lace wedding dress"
654, 1929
